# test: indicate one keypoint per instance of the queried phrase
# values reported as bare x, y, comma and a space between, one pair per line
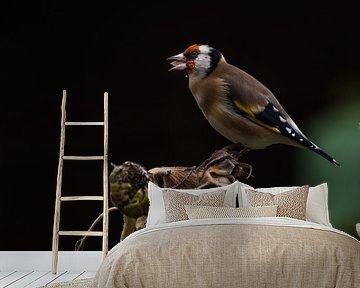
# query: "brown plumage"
236, 104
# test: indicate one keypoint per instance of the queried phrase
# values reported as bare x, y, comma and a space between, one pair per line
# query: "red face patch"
192, 48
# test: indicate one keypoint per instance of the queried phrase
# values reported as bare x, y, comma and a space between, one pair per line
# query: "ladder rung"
78, 198
83, 157
81, 233
85, 123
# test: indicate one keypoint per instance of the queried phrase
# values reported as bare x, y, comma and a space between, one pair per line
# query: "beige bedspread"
233, 254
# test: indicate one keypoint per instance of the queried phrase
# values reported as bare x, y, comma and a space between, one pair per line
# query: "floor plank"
68, 276
4, 274
13, 277
28, 279
46, 279
87, 274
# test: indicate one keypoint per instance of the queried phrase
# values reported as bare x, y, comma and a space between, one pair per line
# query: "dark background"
308, 57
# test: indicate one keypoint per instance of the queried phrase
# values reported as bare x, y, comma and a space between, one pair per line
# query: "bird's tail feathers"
312, 146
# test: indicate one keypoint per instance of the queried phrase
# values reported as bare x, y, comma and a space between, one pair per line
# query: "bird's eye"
194, 54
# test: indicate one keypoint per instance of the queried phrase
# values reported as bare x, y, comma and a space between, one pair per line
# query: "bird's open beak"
178, 63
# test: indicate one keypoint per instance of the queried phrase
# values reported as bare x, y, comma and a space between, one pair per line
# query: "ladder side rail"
105, 178
55, 241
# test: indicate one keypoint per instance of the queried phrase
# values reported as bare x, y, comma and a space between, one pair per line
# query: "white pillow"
156, 213
201, 212
316, 207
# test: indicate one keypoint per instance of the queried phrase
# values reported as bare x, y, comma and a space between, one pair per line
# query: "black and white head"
197, 60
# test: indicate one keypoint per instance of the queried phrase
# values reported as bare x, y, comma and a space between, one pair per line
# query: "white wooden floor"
32, 279
32, 269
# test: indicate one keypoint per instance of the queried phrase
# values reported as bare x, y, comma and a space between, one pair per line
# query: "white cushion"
201, 212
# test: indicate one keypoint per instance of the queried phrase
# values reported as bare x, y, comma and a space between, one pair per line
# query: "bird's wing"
254, 101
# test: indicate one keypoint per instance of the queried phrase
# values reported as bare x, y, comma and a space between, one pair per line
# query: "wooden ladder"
59, 198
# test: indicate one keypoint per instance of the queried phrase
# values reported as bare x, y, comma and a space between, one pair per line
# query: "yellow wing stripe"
251, 115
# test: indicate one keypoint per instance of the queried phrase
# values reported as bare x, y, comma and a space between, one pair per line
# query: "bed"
235, 244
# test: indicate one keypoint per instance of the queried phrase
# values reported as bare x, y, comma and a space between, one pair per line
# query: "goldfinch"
237, 105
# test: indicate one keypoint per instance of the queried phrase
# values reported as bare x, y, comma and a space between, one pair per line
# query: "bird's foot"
228, 154
221, 168
230, 151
